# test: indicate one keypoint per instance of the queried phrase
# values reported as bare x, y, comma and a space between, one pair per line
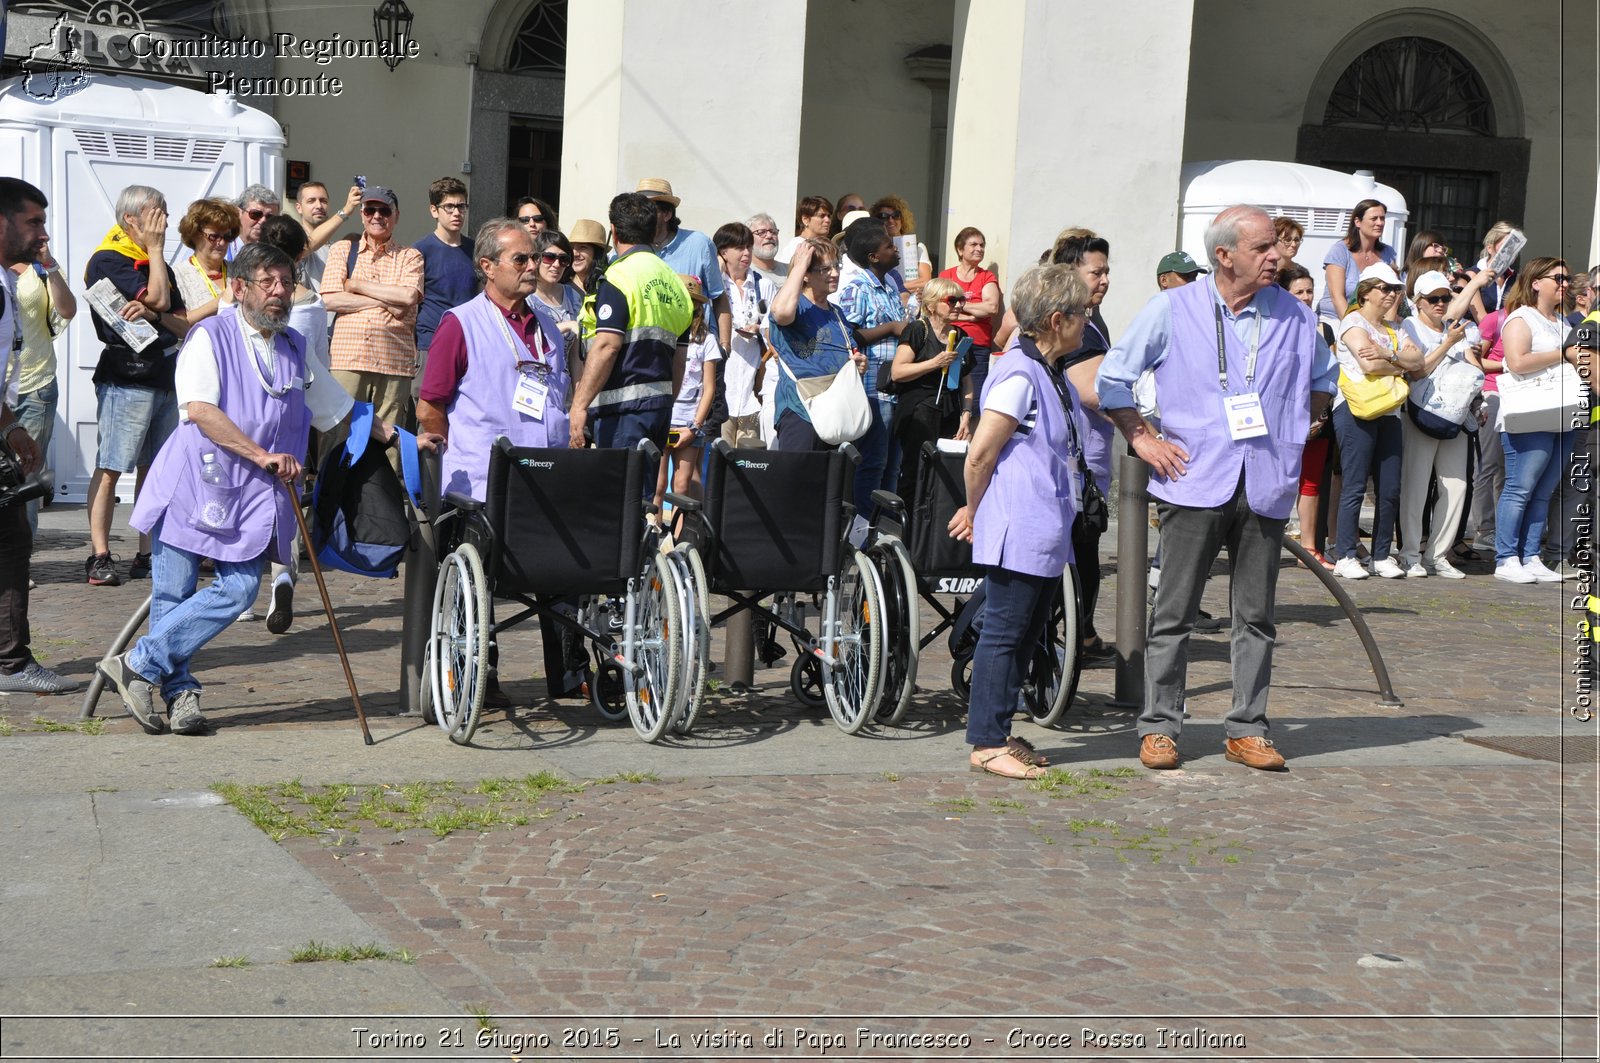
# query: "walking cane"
327, 605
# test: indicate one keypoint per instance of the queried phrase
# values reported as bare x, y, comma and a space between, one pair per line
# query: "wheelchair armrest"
850, 452
722, 446
683, 502
650, 449
464, 503
890, 501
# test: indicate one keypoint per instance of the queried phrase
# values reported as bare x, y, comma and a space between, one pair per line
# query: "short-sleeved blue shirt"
813, 344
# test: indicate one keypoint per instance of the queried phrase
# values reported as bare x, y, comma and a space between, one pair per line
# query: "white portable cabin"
1319, 199
84, 148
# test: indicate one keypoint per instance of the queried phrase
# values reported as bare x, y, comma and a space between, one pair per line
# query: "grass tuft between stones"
319, 952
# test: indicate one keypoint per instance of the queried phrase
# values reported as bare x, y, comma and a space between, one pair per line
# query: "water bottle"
216, 509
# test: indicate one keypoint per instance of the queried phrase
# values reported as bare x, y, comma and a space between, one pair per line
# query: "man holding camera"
22, 237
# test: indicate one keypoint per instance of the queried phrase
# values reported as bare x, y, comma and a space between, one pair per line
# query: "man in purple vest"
498, 367
247, 403
1241, 374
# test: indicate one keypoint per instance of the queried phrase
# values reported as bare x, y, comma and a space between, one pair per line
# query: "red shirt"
980, 332
447, 354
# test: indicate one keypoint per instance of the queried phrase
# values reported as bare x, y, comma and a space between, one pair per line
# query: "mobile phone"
675, 436
361, 182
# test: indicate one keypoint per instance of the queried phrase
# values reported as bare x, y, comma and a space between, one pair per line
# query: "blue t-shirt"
449, 279
1339, 255
813, 344
692, 253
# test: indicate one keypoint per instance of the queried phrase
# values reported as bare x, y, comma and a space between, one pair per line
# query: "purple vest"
263, 516
1024, 522
1190, 397
482, 411
1097, 433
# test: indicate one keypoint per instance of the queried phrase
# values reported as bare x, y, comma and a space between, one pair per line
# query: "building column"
1069, 112
703, 93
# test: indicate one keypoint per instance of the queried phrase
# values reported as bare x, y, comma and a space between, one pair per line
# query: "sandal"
1024, 751
1321, 560
1003, 763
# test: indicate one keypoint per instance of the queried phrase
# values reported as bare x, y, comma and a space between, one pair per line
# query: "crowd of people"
1252, 403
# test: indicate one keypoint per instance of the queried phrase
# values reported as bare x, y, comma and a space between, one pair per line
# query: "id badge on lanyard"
531, 394
1243, 412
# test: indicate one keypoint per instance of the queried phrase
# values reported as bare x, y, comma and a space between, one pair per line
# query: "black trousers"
16, 546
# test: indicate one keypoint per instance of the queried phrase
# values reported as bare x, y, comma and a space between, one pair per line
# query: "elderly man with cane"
248, 398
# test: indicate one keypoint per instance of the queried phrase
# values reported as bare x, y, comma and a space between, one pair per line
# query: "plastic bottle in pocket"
217, 496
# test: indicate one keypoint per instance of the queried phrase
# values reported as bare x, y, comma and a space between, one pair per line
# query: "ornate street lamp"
391, 24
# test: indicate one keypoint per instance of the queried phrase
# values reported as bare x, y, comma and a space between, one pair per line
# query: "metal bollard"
739, 650
421, 577
1133, 571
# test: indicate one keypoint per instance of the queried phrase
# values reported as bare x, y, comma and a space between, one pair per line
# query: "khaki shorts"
743, 433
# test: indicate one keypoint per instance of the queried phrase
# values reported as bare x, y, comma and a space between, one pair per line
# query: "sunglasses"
1559, 278
217, 238
556, 257
519, 259
888, 215
830, 267
1392, 289
1436, 300
257, 214
382, 212
531, 219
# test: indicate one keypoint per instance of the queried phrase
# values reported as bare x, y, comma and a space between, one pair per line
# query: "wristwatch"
342, 212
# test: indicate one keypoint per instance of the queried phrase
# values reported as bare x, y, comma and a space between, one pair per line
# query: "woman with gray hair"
1023, 491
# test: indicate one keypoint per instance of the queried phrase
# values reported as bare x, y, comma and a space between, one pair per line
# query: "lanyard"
518, 348
1222, 356
212, 288
1058, 381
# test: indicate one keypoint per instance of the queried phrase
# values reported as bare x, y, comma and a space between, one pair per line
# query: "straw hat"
658, 188
587, 231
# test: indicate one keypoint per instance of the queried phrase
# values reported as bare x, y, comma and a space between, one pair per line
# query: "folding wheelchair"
773, 525
911, 547
564, 534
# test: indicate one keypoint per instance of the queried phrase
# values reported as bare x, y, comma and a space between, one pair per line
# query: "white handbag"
837, 404
1553, 399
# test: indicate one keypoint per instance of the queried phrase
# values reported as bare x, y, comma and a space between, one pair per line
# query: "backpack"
360, 520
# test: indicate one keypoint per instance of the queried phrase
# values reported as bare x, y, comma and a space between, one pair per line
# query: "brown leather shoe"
1254, 752
1159, 752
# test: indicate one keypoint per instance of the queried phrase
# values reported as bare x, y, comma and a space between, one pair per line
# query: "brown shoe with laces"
1158, 752
1254, 752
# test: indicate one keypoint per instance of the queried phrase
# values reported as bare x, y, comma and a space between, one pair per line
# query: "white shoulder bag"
837, 404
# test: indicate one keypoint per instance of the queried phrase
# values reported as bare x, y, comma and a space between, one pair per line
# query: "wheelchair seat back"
941, 489
776, 519
565, 521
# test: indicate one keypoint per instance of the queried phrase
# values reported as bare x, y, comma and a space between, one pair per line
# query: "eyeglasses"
826, 267
216, 238
1559, 278
268, 285
453, 208
763, 232
257, 214
382, 212
1436, 300
555, 258
531, 219
1458, 291
888, 215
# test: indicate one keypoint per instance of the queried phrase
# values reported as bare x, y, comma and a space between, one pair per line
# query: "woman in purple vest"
1022, 498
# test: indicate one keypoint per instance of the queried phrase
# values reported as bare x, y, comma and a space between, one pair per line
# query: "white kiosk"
1319, 199
81, 150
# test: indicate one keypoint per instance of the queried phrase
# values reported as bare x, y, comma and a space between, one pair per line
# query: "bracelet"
53, 271
12, 427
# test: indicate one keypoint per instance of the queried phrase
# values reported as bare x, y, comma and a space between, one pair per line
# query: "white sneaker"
1445, 570
246, 616
1536, 568
1350, 568
1416, 571
1510, 570
1388, 568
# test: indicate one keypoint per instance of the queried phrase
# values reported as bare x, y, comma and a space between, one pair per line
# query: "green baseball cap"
1179, 262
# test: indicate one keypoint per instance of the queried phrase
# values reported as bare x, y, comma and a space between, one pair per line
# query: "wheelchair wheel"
608, 693
805, 681
657, 650
961, 677
853, 683
460, 644
903, 624
1052, 679
697, 640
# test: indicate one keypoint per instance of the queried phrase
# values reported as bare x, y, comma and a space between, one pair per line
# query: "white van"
1317, 198
81, 150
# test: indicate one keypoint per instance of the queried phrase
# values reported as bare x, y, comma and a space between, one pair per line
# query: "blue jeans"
1367, 447
880, 457
1015, 610
1534, 464
37, 412
134, 422
182, 619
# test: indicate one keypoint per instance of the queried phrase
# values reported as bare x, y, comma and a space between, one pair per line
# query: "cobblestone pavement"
1389, 898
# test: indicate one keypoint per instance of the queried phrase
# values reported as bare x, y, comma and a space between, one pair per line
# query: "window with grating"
540, 46
1415, 85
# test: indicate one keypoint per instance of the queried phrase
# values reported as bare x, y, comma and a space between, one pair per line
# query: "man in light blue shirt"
1240, 376
690, 253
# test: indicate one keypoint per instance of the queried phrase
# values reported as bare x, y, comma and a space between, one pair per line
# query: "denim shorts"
134, 422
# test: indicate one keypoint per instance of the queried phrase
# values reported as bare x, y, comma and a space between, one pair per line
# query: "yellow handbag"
1374, 396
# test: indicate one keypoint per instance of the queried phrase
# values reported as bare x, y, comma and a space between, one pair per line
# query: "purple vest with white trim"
482, 411
1192, 416
263, 515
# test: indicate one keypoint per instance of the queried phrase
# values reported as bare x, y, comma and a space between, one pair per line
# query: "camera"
16, 486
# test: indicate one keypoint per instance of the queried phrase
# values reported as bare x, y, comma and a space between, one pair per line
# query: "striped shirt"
374, 340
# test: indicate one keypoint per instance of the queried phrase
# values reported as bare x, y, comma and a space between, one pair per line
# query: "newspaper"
108, 304
1510, 248
910, 260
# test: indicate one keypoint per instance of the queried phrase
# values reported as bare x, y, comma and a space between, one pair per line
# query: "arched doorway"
1429, 106
518, 98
